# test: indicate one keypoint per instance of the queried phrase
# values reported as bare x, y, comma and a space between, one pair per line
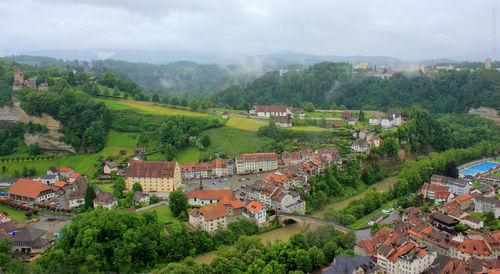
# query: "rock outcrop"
49, 142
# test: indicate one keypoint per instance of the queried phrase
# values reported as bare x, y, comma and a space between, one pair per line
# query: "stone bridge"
306, 221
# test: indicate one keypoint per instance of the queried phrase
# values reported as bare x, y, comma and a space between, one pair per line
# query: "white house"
105, 200
205, 197
283, 121
374, 120
49, 180
268, 111
255, 211
472, 222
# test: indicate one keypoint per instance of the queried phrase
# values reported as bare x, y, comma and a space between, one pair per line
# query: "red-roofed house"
281, 180
65, 171
268, 111
429, 190
464, 201
205, 197
256, 211
442, 197
256, 162
73, 176
209, 217
162, 176
30, 191
474, 248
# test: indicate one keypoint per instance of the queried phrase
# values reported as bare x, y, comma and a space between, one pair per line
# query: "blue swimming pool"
477, 169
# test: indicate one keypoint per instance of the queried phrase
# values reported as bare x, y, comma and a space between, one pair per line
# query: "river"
283, 233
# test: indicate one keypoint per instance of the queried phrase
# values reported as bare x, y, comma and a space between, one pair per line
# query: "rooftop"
28, 188
160, 169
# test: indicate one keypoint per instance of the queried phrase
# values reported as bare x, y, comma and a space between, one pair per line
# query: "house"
10, 227
268, 111
474, 248
140, 198
105, 200
60, 184
444, 222
457, 186
29, 240
205, 197
347, 265
374, 120
464, 201
209, 217
140, 150
65, 171
352, 121
256, 211
410, 259
472, 222
222, 167
392, 118
49, 180
485, 204
110, 166
53, 171
298, 111
283, 121
30, 191
161, 176
441, 198
73, 176
4, 218
375, 219
360, 147
77, 195
224, 115
345, 116
43, 87
275, 197
292, 158
196, 170
486, 190
256, 162
279, 179
233, 207
6, 182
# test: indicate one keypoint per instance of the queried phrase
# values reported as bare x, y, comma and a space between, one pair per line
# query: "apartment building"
256, 162
161, 176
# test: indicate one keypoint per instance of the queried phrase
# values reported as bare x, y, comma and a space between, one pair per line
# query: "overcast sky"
406, 29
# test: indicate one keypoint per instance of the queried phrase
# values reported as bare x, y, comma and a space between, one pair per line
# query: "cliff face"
49, 142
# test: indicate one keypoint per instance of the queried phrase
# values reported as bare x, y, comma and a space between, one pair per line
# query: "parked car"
242, 193
242, 199
225, 179
258, 175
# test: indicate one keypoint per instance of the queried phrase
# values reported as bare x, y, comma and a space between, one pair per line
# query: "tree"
136, 187
309, 107
194, 104
390, 147
331, 250
342, 107
174, 101
34, 149
108, 79
205, 140
368, 175
154, 199
361, 116
90, 196
184, 102
333, 106
178, 202
303, 261
155, 98
451, 170
459, 227
119, 187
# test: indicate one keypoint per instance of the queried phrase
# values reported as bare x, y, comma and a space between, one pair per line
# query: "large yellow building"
162, 176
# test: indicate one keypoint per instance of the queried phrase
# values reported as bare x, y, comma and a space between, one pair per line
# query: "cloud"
404, 29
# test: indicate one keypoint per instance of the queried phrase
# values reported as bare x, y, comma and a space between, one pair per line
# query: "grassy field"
245, 124
363, 222
146, 108
14, 214
106, 187
164, 214
323, 114
235, 141
80, 162
189, 154
308, 128
497, 173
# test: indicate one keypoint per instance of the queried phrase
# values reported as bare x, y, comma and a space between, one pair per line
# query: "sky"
405, 29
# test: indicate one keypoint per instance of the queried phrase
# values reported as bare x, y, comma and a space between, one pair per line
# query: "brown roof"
105, 197
283, 119
211, 194
476, 247
213, 211
255, 206
160, 169
10, 226
28, 188
255, 157
464, 197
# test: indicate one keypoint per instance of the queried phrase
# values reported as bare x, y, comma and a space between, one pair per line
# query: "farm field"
308, 128
146, 108
189, 154
230, 140
245, 124
323, 114
80, 162
164, 214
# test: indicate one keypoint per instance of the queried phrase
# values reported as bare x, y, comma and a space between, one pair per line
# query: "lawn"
363, 222
106, 187
308, 128
14, 214
230, 140
146, 107
189, 154
323, 114
81, 162
164, 214
497, 173
246, 124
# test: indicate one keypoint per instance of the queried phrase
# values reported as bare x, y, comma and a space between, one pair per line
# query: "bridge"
306, 221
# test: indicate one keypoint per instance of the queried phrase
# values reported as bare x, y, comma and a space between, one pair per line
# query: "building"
473, 248
281, 180
214, 169
205, 197
18, 80
6, 182
225, 114
162, 176
487, 63
4, 218
463, 201
347, 265
64, 172
209, 217
29, 240
429, 190
73, 176
352, 121
374, 120
292, 158
256, 162
233, 207
110, 166
298, 111
268, 111
256, 211
77, 195
456, 186
472, 222
140, 198
43, 87
361, 147
49, 180
444, 222
275, 197
30, 191
392, 118
484, 204
105, 200
283, 121
486, 190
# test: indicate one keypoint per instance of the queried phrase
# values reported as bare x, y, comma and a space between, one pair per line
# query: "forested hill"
326, 84
315, 84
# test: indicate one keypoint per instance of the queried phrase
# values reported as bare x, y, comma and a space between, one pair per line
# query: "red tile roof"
256, 157
464, 197
237, 204
74, 175
476, 247
276, 178
405, 249
64, 169
273, 108
255, 206
442, 194
161, 169
60, 184
213, 211
28, 188
211, 194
